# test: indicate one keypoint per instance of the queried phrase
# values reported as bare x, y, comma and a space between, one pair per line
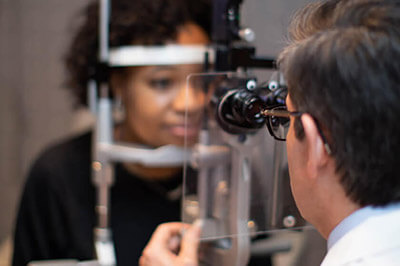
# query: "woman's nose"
190, 99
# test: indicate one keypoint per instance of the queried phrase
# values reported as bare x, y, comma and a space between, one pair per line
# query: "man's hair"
312, 18
141, 22
348, 79
325, 14
328, 14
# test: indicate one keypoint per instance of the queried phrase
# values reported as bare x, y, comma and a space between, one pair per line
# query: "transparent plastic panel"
236, 178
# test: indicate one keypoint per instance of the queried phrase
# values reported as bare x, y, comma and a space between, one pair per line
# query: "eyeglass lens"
279, 125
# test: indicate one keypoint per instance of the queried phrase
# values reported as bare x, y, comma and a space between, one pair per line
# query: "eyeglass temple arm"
278, 113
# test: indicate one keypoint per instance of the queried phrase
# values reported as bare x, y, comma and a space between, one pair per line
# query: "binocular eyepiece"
239, 109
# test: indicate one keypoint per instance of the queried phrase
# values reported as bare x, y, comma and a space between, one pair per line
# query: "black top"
56, 216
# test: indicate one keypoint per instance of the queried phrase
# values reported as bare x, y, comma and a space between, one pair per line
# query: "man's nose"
190, 99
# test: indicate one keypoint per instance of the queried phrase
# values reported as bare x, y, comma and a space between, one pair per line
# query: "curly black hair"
144, 22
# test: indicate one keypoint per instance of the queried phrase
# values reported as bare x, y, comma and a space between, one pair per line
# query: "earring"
118, 110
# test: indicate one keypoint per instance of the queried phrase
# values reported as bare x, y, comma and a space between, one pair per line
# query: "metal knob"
247, 34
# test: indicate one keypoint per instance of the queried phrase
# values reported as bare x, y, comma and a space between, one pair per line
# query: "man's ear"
316, 153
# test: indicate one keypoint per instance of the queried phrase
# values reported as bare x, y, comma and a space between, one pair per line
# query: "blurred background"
36, 111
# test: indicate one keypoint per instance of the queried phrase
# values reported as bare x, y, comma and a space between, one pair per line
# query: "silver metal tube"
104, 121
104, 15
92, 96
278, 153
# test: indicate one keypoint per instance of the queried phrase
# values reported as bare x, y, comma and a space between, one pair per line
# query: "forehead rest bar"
160, 55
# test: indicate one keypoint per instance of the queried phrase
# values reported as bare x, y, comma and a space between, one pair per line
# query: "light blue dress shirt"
356, 218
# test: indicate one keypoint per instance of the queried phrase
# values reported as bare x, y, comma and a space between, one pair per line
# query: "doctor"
343, 89
342, 142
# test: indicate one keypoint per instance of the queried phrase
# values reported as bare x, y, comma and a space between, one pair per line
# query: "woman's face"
156, 98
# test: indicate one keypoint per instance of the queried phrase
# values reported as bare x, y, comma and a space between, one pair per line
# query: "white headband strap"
159, 55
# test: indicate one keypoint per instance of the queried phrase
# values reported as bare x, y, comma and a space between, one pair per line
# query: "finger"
174, 243
166, 231
143, 261
158, 252
190, 242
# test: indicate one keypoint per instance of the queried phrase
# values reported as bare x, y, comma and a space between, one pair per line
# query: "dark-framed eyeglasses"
278, 122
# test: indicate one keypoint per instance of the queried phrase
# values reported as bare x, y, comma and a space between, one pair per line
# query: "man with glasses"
342, 131
343, 139
343, 144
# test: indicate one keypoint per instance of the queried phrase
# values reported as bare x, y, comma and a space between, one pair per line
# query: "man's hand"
166, 247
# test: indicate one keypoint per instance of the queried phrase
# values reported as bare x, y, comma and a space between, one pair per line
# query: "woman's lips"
181, 130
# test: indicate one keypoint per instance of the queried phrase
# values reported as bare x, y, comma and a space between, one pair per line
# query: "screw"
96, 166
289, 221
222, 187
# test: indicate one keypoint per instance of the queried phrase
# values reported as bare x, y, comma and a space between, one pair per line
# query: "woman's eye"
161, 83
